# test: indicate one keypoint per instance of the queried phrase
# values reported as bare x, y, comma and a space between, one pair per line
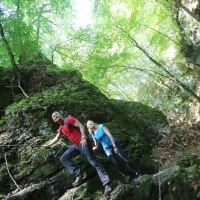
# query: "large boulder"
27, 124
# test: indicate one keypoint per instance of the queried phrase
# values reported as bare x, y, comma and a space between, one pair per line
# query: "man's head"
56, 116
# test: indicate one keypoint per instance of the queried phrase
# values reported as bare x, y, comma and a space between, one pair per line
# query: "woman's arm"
105, 129
96, 146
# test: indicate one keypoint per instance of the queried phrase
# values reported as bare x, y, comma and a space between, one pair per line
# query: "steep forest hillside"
133, 65
37, 172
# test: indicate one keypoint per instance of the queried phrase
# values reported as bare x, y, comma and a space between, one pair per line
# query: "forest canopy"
134, 50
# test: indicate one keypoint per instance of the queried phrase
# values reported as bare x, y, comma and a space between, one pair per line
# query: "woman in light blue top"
111, 147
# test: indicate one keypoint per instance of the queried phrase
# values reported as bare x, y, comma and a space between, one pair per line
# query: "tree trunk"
7, 46
179, 4
16, 74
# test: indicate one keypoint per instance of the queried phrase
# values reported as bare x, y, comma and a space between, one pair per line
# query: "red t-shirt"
72, 133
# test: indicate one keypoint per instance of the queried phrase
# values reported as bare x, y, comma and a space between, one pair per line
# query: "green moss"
146, 178
185, 185
4, 120
42, 171
144, 191
72, 98
194, 169
71, 95
148, 120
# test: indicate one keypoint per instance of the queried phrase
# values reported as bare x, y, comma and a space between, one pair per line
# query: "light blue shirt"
102, 137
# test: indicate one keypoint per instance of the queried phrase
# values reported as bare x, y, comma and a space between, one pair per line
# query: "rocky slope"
38, 172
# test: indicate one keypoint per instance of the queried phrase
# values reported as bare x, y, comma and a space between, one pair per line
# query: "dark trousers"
74, 150
112, 156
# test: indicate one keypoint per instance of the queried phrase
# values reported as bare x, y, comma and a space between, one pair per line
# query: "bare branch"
161, 34
11, 174
19, 86
158, 64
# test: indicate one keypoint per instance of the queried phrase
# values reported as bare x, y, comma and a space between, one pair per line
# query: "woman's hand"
115, 149
94, 148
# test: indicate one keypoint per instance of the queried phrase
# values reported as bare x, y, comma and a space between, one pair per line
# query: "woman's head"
91, 125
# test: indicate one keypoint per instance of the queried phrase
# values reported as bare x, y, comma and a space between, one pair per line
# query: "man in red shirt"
71, 128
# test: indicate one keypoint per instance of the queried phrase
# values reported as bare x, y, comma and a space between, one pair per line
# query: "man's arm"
53, 141
82, 130
81, 127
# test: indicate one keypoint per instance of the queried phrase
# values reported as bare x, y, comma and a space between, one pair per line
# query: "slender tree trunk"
122, 91
19, 26
38, 29
41, 11
7, 46
178, 3
165, 35
22, 57
16, 73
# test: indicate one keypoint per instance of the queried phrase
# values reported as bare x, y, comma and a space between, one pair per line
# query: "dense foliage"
131, 50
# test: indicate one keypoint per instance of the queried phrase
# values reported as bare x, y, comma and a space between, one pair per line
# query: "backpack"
71, 125
68, 124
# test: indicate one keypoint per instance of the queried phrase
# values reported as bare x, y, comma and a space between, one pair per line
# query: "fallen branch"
18, 145
19, 86
10, 174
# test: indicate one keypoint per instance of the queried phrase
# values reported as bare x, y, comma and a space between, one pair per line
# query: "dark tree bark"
16, 74
7, 46
179, 4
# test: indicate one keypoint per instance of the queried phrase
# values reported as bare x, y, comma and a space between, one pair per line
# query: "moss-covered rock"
28, 124
185, 185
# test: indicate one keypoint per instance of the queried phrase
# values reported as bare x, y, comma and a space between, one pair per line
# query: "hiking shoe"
107, 190
78, 180
128, 179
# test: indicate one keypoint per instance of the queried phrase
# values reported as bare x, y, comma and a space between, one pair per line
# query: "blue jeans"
74, 150
111, 154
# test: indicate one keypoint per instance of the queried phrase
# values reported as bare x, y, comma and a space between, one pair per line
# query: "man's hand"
83, 142
45, 145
